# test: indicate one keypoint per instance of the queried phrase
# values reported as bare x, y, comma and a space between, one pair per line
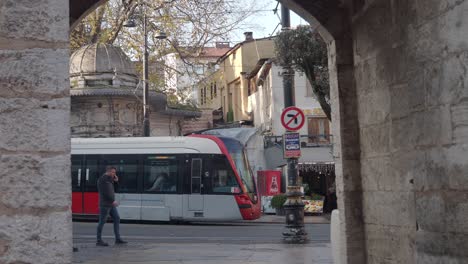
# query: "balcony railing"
307, 141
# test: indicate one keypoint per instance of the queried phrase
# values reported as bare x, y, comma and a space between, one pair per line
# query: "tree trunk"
325, 106
321, 97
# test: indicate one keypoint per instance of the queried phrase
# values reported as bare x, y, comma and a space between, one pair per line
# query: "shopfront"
318, 180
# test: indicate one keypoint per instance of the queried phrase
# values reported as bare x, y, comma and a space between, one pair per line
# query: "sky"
263, 21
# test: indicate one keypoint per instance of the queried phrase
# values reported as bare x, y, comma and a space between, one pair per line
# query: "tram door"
77, 188
84, 185
195, 199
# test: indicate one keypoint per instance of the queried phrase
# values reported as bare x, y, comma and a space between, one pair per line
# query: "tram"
193, 178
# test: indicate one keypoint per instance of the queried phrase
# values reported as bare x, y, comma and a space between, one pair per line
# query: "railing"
307, 141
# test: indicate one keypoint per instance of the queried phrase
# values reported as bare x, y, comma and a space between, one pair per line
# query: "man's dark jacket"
105, 187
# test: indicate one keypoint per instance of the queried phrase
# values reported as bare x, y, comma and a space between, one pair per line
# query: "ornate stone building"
106, 100
103, 90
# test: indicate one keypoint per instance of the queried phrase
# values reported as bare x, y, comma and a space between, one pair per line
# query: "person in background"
161, 183
108, 205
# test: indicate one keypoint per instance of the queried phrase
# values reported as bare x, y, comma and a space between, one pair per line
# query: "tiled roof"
213, 52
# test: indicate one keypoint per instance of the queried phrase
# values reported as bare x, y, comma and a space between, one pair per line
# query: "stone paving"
201, 253
209, 252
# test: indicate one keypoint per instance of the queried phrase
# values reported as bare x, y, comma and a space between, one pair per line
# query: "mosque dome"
100, 58
101, 68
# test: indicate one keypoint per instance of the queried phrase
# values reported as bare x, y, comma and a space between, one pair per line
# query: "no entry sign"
292, 118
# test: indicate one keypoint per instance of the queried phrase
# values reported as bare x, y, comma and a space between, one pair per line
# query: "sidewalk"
144, 251
204, 253
278, 219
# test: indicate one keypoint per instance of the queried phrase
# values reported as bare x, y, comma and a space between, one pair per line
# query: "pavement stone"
208, 252
204, 253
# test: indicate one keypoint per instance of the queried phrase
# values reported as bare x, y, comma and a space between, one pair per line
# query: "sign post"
293, 119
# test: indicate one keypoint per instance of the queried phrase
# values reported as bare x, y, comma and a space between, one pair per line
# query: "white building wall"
183, 77
306, 102
165, 125
267, 104
170, 71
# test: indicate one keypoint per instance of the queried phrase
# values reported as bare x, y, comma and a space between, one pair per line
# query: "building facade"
184, 69
248, 88
107, 98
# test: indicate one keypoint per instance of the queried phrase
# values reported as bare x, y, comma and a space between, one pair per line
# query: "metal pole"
294, 207
146, 121
285, 18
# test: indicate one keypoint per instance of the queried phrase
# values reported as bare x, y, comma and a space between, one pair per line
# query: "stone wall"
410, 63
399, 91
35, 193
165, 125
200, 123
106, 116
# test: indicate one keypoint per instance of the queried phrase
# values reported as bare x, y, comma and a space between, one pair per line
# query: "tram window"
160, 174
127, 171
196, 168
196, 185
223, 179
196, 175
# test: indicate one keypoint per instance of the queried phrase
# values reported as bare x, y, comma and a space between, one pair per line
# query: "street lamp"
161, 35
294, 207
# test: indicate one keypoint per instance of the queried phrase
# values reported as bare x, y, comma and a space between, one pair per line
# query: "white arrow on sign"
292, 118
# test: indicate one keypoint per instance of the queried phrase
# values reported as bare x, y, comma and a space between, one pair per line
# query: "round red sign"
292, 118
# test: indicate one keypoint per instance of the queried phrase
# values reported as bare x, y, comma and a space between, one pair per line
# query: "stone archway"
399, 97
336, 31
79, 9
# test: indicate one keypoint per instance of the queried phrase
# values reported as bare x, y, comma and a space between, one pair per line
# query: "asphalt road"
198, 233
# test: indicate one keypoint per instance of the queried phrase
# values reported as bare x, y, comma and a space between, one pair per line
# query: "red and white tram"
194, 178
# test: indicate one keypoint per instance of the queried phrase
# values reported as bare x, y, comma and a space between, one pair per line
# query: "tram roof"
144, 145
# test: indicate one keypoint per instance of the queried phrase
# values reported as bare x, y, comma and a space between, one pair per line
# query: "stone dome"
100, 58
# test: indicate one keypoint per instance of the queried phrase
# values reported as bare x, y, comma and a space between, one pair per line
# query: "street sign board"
291, 145
292, 118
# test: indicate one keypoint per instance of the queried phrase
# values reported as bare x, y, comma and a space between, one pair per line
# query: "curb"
281, 220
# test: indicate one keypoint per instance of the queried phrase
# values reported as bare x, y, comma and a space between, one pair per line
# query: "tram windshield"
239, 157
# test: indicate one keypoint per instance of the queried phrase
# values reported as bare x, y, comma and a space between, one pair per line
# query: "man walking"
108, 205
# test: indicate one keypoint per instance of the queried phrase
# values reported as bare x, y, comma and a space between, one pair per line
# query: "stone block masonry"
412, 123
400, 120
35, 193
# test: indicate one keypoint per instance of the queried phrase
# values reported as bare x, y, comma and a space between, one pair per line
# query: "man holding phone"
108, 205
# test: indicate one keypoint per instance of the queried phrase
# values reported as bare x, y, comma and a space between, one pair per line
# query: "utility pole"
130, 23
146, 121
294, 207
161, 35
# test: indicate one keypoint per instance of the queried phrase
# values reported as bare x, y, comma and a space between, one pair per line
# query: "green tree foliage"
306, 51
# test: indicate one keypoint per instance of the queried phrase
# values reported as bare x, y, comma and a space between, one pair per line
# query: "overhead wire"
274, 30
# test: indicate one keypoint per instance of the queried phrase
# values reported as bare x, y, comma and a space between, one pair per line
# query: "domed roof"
100, 58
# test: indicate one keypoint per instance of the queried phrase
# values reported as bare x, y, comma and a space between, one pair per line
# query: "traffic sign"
292, 118
292, 145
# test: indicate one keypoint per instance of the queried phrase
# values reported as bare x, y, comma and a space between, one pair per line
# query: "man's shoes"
101, 243
120, 241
